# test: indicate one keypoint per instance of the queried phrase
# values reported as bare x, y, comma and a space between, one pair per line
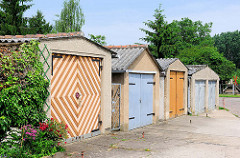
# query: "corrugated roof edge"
14, 39
201, 69
145, 46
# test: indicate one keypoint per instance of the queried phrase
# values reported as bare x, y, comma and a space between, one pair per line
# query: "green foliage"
208, 55
4, 127
228, 43
34, 142
100, 39
38, 25
167, 40
71, 18
24, 89
12, 21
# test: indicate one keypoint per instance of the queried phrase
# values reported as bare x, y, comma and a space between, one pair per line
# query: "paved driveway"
215, 136
233, 104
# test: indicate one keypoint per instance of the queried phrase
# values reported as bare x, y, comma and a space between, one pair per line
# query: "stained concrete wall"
175, 66
143, 64
82, 47
206, 75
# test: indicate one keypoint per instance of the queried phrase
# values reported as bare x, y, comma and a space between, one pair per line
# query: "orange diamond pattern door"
176, 94
75, 93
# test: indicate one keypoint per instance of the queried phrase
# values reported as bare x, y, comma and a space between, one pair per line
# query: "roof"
195, 68
19, 39
165, 62
126, 55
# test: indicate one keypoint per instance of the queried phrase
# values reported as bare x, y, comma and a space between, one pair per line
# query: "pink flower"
24, 139
34, 138
28, 133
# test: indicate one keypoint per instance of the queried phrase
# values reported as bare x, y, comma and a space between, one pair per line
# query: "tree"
208, 55
11, 16
156, 35
228, 43
71, 18
166, 40
38, 25
100, 39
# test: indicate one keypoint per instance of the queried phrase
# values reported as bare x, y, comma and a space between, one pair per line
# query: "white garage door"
200, 97
211, 95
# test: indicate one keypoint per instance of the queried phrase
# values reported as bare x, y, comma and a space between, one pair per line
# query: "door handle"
131, 118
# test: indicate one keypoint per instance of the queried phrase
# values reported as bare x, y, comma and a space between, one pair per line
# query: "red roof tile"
126, 46
42, 35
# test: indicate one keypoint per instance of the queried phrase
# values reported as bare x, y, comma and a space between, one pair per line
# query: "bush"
24, 89
30, 141
4, 127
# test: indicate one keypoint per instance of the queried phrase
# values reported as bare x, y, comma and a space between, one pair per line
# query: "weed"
222, 108
147, 149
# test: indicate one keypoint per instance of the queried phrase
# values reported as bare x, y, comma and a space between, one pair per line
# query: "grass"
229, 95
222, 108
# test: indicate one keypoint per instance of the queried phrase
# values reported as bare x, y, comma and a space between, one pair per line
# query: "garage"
174, 78
79, 72
138, 74
203, 89
80, 91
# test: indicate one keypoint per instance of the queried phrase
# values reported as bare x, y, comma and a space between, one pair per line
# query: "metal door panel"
211, 95
134, 100
199, 97
180, 83
173, 94
146, 99
116, 102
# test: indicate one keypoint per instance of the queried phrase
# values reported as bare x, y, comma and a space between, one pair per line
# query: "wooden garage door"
211, 95
140, 100
200, 96
176, 93
75, 92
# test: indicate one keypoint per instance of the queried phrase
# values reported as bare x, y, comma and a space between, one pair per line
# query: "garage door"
75, 93
211, 95
200, 96
176, 94
140, 100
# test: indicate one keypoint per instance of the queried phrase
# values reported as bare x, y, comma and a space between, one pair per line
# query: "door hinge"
181, 109
151, 114
171, 78
151, 83
181, 78
55, 56
170, 112
132, 84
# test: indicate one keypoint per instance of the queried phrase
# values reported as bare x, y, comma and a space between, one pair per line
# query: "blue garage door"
200, 96
140, 100
211, 95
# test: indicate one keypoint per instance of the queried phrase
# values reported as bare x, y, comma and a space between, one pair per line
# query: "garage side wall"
175, 66
206, 74
82, 47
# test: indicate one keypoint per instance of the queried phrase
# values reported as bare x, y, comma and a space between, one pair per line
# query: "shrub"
24, 89
4, 127
31, 141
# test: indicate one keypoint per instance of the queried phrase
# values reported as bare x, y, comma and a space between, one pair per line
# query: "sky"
120, 20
